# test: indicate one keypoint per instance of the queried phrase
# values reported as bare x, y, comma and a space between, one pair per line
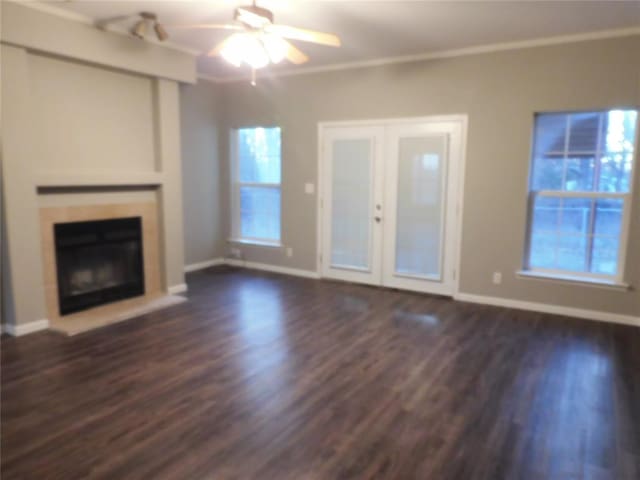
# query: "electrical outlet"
309, 188
289, 252
497, 278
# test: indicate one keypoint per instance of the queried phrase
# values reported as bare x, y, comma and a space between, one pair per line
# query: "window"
256, 185
580, 193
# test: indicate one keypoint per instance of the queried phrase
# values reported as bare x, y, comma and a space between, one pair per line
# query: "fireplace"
98, 262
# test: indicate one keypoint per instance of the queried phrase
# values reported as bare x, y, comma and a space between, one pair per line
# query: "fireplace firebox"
98, 262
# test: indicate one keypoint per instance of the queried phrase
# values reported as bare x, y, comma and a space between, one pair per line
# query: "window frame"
236, 185
575, 276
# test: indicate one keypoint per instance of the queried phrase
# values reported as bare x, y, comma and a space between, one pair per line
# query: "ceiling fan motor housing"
259, 11
149, 16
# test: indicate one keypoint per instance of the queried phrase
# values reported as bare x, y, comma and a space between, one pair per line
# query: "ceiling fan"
258, 41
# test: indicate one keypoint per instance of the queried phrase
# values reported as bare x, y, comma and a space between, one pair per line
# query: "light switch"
309, 188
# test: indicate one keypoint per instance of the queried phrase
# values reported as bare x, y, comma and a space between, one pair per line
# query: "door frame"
462, 119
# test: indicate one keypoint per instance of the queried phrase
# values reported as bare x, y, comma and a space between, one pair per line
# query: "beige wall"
167, 149
200, 116
89, 118
500, 92
22, 258
69, 124
6, 297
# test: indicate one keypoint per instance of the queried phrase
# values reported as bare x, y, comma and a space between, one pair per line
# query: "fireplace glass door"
98, 262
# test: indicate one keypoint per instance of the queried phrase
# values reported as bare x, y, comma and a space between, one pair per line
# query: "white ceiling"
376, 29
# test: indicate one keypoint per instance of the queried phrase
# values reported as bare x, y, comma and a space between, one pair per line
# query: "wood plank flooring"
262, 376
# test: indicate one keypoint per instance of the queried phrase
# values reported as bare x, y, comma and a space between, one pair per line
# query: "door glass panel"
351, 203
420, 193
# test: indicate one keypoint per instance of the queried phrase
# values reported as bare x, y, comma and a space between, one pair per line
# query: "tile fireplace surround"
153, 297
49, 216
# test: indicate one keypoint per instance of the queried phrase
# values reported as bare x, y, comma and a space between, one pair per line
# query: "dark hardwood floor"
265, 376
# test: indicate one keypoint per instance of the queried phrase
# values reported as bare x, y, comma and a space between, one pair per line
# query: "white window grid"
562, 194
236, 187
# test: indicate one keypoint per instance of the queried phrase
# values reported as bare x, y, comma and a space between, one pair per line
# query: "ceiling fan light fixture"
140, 28
245, 48
275, 46
161, 33
233, 49
255, 55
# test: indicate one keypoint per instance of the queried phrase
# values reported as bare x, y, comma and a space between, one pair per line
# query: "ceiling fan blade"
294, 55
206, 26
304, 35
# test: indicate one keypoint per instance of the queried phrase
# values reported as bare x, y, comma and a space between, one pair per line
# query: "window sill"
573, 279
259, 243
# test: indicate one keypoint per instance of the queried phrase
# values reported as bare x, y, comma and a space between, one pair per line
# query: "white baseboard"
175, 289
253, 265
273, 268
202, 265
553, 309
463, 297
25, 328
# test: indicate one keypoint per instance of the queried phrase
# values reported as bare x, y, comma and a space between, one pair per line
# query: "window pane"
575, 216
579, 174
605, 255
615, 172
619, 132
572, 253
608, 217
547, 173
259, 155
558, 252
542, 252
583, 133
351, 203
546, 214
550, 133
260, 213
421, 190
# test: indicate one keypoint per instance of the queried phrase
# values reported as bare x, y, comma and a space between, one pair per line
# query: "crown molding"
80, 18
475, 50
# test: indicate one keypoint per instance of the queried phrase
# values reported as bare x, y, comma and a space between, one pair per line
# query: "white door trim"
463, 120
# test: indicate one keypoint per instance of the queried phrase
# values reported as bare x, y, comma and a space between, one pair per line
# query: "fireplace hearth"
98, 262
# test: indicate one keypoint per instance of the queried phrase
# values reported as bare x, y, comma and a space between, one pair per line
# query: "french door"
352, 203
389, 203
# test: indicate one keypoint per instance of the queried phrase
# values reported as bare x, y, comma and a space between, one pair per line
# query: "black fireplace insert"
98, 262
